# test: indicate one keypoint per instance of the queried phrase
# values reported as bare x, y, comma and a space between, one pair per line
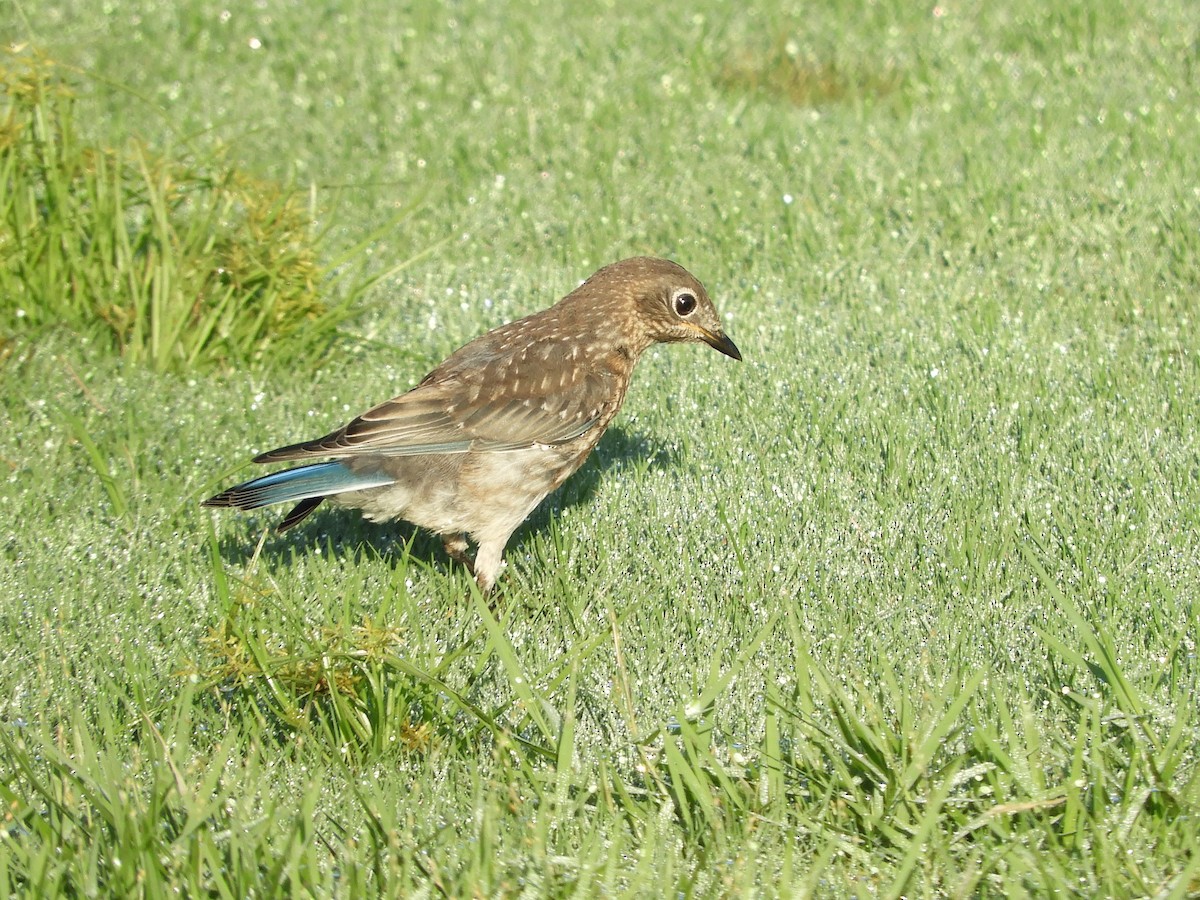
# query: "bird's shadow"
345, 532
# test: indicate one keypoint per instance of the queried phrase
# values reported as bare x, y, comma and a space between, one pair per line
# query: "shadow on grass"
345, 532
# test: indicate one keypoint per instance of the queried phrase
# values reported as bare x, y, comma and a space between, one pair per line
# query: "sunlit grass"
903, 605
181, 263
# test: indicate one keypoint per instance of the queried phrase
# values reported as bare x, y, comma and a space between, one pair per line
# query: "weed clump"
789, 71
180, 263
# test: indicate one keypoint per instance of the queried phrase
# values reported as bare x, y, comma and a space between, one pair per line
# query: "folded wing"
453, 416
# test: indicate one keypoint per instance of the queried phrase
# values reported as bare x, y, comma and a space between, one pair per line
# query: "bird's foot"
456, 548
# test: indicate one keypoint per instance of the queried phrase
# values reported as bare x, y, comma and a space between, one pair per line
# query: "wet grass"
904, 604
180, 263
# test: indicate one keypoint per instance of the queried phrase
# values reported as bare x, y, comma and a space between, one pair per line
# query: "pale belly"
483, 494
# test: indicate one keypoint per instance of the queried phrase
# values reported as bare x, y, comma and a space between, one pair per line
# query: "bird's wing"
455, 415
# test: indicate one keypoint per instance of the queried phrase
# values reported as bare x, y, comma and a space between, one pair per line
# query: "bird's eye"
685, 303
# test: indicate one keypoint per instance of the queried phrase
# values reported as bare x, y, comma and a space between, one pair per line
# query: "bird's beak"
719, 340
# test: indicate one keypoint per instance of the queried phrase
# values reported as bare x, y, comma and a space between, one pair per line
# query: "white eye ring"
684, 303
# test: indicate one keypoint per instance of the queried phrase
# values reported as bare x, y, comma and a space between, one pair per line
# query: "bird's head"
656, 300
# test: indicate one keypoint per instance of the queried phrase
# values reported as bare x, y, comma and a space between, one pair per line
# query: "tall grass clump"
179, 262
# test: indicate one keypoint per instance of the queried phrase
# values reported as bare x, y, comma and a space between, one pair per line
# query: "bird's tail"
308, 484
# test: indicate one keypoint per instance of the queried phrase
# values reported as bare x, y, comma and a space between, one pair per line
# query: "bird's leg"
456, 549
488, 561
486, 565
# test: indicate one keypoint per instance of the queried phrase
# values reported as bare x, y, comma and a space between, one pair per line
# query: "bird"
480, 441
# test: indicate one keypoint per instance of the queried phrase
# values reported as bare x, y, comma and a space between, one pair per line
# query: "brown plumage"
485, 436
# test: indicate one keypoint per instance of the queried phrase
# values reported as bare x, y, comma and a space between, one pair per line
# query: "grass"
905, 604
181, 264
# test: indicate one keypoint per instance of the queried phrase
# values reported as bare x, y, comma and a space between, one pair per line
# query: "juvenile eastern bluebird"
485, 436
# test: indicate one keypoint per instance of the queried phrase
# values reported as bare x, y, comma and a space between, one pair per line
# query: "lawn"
903, 604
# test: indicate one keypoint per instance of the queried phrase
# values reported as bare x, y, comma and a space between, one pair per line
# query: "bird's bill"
720, 341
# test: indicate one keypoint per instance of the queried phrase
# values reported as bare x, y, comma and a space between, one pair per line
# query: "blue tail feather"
305, 482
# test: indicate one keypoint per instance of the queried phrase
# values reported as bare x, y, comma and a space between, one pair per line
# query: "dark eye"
685, 303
